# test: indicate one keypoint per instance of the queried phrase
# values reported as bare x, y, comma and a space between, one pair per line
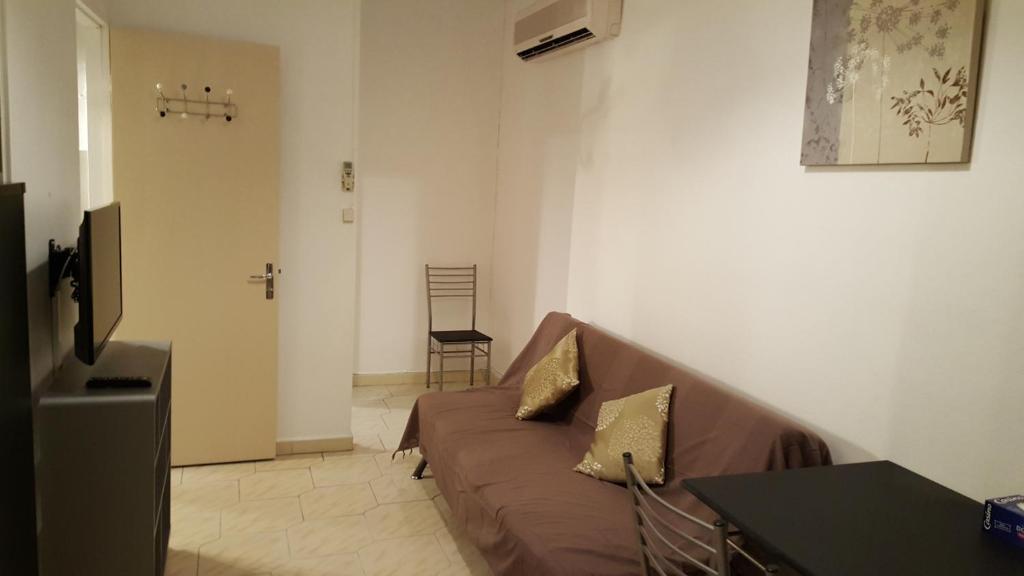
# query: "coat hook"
184, 97
166, 106
161, 100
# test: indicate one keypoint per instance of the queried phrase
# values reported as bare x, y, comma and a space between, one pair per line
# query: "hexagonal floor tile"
354, 469
333, 501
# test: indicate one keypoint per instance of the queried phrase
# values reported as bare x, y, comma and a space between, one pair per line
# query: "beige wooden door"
200, 214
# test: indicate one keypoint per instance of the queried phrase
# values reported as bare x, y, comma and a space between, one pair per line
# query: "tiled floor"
334, 514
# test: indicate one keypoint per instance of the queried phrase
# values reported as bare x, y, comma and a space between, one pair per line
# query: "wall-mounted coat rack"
186, 107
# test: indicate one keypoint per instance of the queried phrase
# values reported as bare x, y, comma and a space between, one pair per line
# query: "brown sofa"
512, 486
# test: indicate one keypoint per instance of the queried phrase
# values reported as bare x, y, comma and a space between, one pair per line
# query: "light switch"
348, 215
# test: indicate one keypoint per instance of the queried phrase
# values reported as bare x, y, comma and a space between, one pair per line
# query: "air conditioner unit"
553, 26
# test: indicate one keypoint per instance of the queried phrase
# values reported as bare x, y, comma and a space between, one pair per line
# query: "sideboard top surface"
134, 359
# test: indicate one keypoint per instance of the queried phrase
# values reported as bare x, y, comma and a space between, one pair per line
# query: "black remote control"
118, 382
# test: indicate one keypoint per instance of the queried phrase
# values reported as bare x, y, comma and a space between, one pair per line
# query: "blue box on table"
1004, 519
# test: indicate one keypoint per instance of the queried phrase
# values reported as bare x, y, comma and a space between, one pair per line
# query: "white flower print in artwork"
880, 68
847, 70
846, 74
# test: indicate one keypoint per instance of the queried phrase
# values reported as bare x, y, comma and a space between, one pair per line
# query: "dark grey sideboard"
17, 482
104, 470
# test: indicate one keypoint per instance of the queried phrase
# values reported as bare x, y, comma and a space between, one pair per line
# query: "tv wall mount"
63, 264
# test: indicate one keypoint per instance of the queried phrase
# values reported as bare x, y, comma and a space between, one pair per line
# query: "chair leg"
417, 474
440, 385
472, 363
429, 359
488, 375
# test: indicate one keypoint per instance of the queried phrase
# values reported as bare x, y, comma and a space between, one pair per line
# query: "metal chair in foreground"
459, 282
661, 539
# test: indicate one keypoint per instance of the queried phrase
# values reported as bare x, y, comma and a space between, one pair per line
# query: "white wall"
318, 41
880, 305
540, 120
429, 93
44, 153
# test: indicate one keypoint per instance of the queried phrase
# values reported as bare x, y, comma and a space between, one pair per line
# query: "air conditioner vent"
556, 43
549, 27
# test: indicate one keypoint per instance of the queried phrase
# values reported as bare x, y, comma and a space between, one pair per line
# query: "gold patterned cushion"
636, 424
551, 379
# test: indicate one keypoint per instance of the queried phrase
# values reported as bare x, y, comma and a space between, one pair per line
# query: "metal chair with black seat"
662, 537
454, 282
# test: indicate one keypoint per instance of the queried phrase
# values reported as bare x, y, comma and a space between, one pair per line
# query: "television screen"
99, 262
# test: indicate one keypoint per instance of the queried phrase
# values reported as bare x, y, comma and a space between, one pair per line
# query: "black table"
869, 519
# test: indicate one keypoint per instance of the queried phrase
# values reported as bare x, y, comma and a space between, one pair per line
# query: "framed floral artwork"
891, 81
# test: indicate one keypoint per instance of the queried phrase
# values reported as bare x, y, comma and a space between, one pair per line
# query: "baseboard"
396, 378
313, 445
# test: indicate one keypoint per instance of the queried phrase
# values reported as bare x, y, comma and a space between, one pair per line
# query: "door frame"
103, 130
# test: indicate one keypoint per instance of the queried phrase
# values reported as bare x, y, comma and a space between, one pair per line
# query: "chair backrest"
662, 537
450, 282
667, 547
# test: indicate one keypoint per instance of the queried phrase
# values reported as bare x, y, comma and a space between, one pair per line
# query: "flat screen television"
99, 281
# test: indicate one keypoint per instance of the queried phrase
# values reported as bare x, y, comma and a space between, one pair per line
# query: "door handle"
268, 278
